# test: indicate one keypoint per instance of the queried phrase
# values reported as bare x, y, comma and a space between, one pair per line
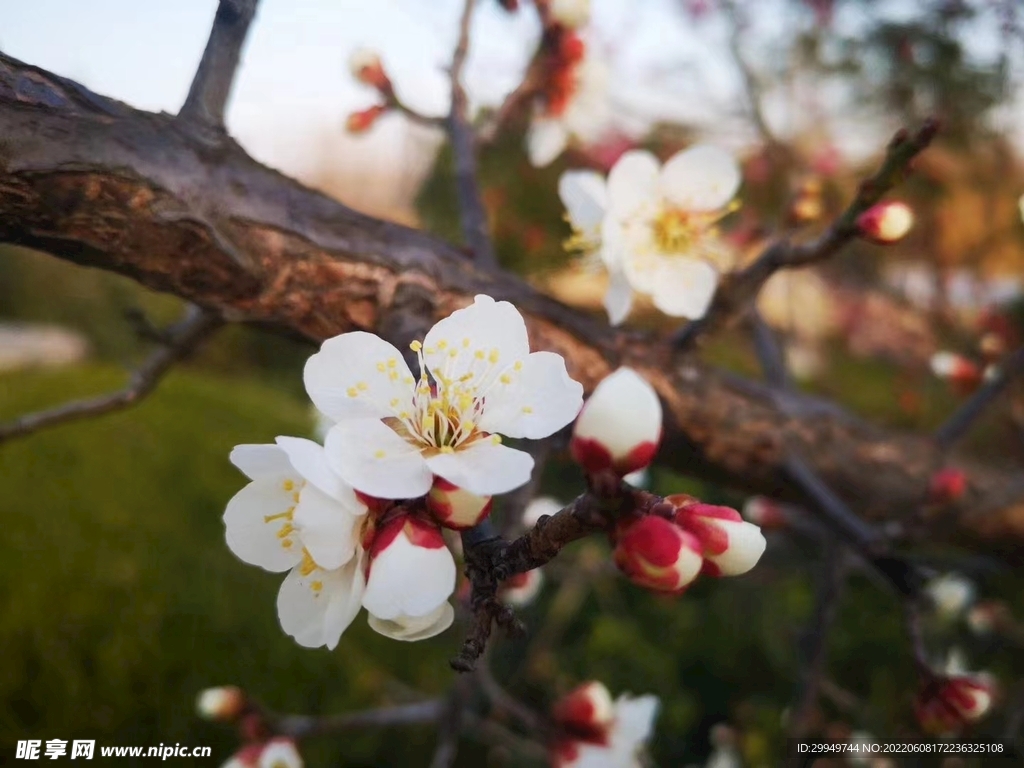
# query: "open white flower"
616, 744
578, 109
478, 381
655, 227
297, 514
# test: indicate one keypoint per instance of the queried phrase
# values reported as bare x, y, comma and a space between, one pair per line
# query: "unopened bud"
363, 120
366, 67
657, 554
886, 223
729, 545
963, 374
947, 704
586, 710
764, 513
570, 13
807, 206
521, 589
950, 594
223, 704
947, 485
619, 427
454, 507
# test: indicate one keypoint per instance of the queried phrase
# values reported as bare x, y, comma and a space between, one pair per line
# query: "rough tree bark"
95, 182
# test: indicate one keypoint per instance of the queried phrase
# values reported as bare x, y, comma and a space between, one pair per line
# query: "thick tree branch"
211, 86
97, 183
176, 342
471, 207
739, 289
960, 421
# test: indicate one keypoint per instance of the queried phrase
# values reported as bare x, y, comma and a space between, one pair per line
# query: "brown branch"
177, 342
963, 418
738, 290
472, 213
208, 95
91, 180
306, 726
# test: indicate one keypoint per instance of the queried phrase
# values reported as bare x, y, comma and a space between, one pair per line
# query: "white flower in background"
223, 703
478, 381
951, 594
725, 753
521, 589
604, 734
538, 507
297, 515
575, 108
570, 13
655, 227
280, 753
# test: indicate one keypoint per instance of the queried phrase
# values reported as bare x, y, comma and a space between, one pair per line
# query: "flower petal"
326, 528
701, 178
372, 458
634, 718
684, 287
250, 536
310, 460
632, 182
260, 460
618, 299
411, 629
546, 139
486, 335
585, 198
409, 580
316, 609
537, 401
484, 468
358, 374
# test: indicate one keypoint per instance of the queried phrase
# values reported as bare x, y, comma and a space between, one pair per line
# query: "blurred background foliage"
120, 601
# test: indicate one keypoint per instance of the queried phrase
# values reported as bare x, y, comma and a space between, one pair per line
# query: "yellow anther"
381, 367
308, 565
527, 409
494, 356
466, 376
392, 362
505, 379
479, 354
468, 426
465, 342
447, 449
288, 485
442, 344
393, 375
403, 415
362, 386
380, 453
496, 439
394, 401
453, 353
416, 346
295, 498
316, 586
287, 543
352, 392
429, 350
285, 531
279, 516
518, 366
409, 380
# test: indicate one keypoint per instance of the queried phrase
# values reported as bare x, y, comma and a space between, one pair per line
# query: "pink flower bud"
764, 513
521, 589
619, 427
886, 223
362, 121
223, 704
963, 374
729, 545
456, 508
947, 704
656, 554
586, 711
947, 485
366, 67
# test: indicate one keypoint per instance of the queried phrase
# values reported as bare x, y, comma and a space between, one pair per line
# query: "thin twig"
181, 339
449, 724
211, 86
305, 726
504, 701
750, 81
471, 208
739, 290
964, 417
769, 351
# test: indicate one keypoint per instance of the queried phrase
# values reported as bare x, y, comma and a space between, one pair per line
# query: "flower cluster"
945, 705
572, 103
357, 522
592, 731
655, 227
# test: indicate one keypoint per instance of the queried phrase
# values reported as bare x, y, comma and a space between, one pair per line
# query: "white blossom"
478, 381
655, 226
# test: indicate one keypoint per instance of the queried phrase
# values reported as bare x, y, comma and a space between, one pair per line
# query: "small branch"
750, 82
449, 725
522, 95
427, 121
912, 620
211, 86
180, 340
471, 208
739, 289
504, 701
769, 351
814, 644
305, 726
964, 417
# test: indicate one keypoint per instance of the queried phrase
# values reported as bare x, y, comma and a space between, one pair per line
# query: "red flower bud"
947, 704
367, 68
764, 513
656, 554
947, 485
587, 712
362, 121
619, 427
886, 223
730, 546
454, 507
